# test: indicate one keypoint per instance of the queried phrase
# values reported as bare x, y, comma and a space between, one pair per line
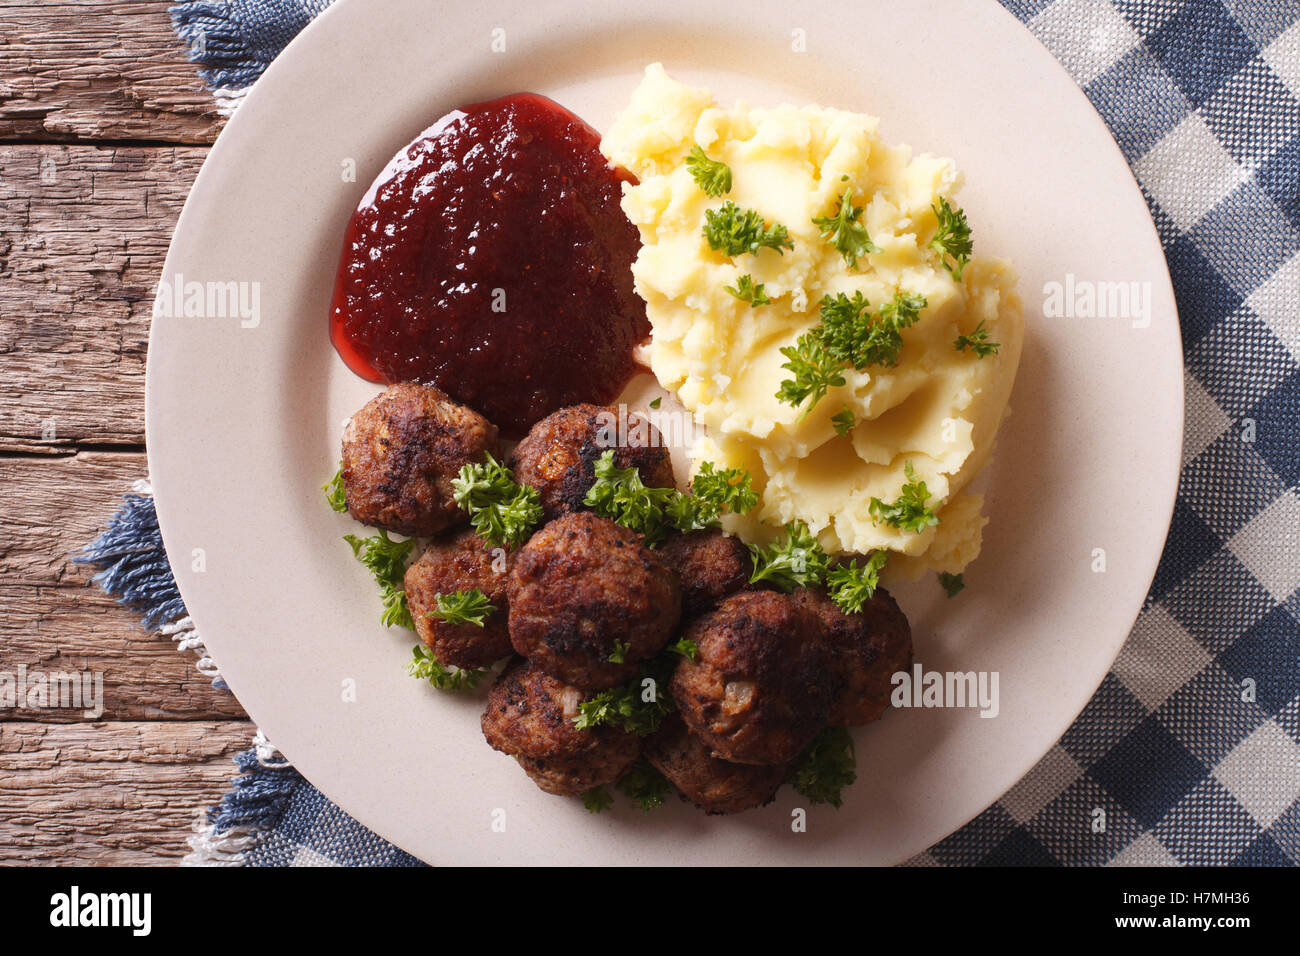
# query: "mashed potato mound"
938, 408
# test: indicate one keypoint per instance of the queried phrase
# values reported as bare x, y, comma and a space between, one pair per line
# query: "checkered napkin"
1190, 751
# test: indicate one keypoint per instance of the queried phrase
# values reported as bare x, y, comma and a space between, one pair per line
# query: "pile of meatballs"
584, 603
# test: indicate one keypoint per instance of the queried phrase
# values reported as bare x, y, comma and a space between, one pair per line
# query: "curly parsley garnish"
620, 495
685, 647
462, 607
815, 371
848, 336
710, 175
844, 232
952, 583
597, 799
619, 653
503, 512
978, 342
952, 239
909, 512
851, 587
735, 231
825, 767
386, 560
637, 706
746, 291
844, 420
798, 561
731, 489
645, 786
425, 667
335, 494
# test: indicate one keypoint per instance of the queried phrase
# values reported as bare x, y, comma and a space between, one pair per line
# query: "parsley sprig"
335, 494
424, 666
620, 495
637, 706
851, 587
502, 511
910, 512
848, 336
386, 560
645, 786
952, 583
825, 767
978, 342
844, 420
952, 240
736, 231
796, 561
462, 607
747, 291
711, 175
844, 232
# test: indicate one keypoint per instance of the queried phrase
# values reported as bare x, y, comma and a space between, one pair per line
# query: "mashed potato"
938, 408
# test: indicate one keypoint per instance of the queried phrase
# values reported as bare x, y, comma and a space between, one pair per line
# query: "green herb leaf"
597, 800
825, 767
844, 420
978, 342
426, 667
619, 653
816, 371
952, 240
503, 512
620, 495
335, 494
685, 647
736, 231
710, 175
747, 291
730, 489
656, 402
462, 607
637, 706
645, 786
844, 232
909, 512
386, 560
851, 587
798, 561
952, 583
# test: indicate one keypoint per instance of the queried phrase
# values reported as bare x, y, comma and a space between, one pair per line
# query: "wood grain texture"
124, 794
55, 620
83, 235
98, 70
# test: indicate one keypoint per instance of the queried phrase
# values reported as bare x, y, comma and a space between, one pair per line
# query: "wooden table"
103, 127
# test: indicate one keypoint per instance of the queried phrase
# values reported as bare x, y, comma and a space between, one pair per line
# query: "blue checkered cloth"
1190, 751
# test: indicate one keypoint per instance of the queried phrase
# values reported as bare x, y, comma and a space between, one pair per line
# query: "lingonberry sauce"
491, 258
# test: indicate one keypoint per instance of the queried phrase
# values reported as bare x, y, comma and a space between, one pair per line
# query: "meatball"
400, 454
866, 650
711, 566
461, 563
760, 688
530, 717
713, 785
584, 589
558, 455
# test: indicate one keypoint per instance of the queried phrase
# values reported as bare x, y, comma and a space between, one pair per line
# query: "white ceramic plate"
244, 422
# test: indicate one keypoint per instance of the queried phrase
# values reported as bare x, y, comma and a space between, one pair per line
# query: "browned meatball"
530, 717
585, 588
866, 650
400, 454
713, 785
711, 566
761, 688
462, 562
558, 455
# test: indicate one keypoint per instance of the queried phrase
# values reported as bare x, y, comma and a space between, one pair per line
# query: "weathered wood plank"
55, 620
98, 70
119, 794
83, 235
